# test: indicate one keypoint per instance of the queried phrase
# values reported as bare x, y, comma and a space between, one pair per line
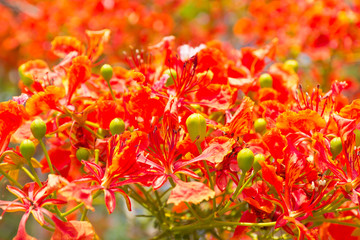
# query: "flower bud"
196, 126
106, 72
38, 128
25, 77
82, 154
265, 80
27, 148
257, 159
117, 126
172, 75
335, 146
291, 65
245, 159
260, 125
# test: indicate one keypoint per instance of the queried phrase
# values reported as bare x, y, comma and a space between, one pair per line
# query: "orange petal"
44, 101
63, 45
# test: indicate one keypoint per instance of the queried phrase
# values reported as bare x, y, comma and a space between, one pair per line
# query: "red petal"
240, 230
21, 234
78, 193
73, 230
241, 122
191, 192
110, 200
269, 175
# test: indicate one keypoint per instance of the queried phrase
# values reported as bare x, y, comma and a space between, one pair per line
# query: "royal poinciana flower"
121, 168
31, 200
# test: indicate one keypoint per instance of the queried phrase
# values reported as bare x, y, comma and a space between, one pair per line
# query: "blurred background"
322, 35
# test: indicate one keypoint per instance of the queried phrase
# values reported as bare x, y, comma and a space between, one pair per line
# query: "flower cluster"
210, 140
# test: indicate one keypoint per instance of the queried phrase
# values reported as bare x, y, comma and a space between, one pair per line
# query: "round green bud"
196, 126
266, 80
117, 126
245, 159
257, 159
27, 148
260, 125
38, 128
172, 75
291, 64
357, 137
106, 72
335, 146
82, 154
25, 77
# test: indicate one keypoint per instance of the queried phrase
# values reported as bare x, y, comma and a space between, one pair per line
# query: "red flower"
32, 201
12, 116
121, 163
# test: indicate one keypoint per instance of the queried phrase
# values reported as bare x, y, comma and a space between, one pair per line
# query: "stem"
240, 187
192, 210
79, 205
97, 152
28, 173
83, 215
214, 224
34, 172
72, 210
340, 221
46, 156
92, 132
48, 228
111, 91
161, 207
11, 179
92, 124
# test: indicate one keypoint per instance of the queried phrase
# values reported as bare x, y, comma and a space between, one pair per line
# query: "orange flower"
242, 119
63, 45
12, 116
276, 143
44, 101
96, 40
78, 73
303, 121
351, 111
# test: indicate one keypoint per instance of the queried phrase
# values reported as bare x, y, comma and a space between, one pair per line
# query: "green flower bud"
357, 137
27, 149
25, 77
291, 65
196, 126
245, 159
82, 154
260, 125
106, 72
257, 159
266, 80
336, 146
117, 126
172, 75
38, 128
